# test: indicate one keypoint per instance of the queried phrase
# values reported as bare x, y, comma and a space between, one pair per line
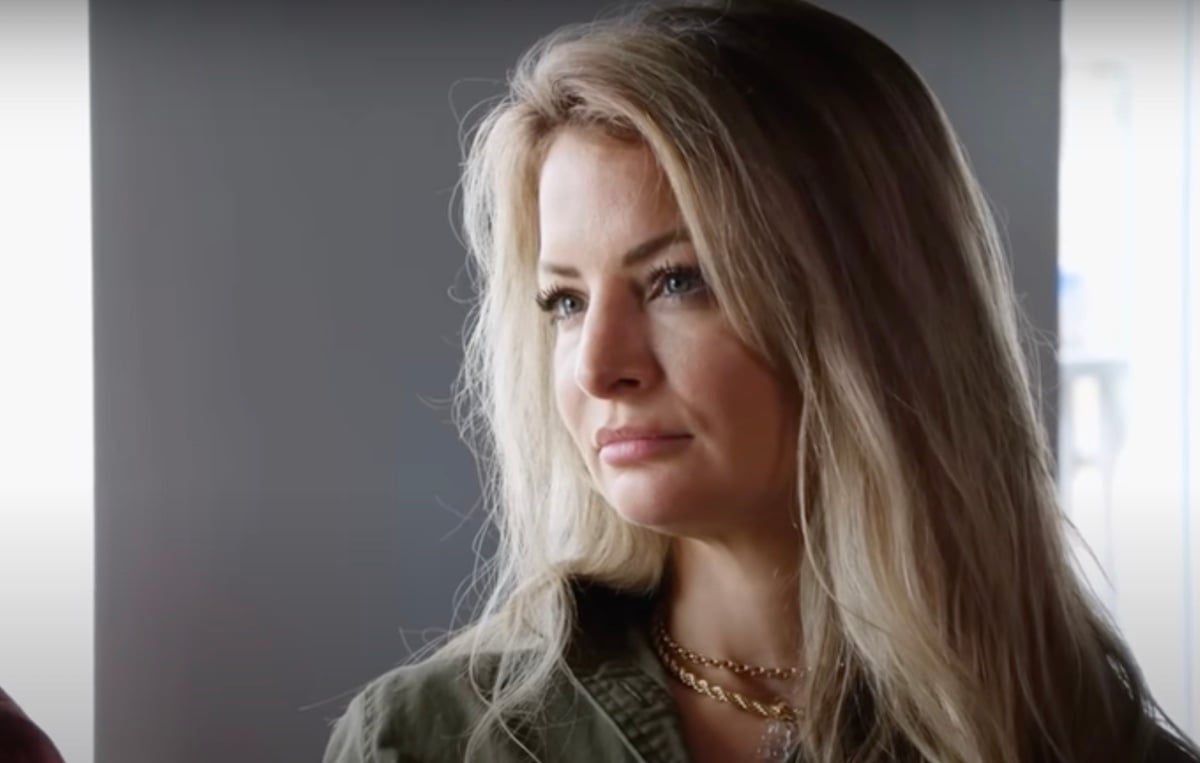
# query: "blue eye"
553, 301
667, 280
567, 305
677, 280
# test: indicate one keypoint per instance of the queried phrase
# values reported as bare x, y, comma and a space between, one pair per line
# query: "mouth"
633, 449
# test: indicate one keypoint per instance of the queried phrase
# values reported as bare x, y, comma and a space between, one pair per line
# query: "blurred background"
230, 307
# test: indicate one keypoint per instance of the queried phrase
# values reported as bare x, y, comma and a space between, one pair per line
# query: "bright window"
46, 522
1129, 269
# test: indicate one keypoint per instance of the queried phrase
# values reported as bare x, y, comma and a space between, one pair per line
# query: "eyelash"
548, 299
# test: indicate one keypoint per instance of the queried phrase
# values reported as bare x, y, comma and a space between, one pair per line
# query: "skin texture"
635, 350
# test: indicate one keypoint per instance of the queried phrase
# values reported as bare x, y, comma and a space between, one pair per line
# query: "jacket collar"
611, 659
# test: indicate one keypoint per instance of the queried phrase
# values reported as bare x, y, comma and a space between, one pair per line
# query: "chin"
650, 518
656, 507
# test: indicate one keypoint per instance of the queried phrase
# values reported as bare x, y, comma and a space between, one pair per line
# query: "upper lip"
609, 435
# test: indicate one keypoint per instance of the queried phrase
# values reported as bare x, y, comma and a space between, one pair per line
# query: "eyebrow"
642, 251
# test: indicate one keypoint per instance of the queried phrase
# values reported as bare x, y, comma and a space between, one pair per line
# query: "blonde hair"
838, 223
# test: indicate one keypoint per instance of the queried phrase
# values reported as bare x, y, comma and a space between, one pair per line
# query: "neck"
736, 600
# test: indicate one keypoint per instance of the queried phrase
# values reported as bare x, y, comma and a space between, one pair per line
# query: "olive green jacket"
611, 702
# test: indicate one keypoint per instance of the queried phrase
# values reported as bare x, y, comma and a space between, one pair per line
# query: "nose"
615, 354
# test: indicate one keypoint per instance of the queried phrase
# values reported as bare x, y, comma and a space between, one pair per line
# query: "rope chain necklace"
782, 734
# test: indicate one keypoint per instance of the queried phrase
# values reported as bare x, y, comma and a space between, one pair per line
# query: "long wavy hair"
847, 242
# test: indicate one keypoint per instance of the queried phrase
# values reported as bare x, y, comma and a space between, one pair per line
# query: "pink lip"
630, 444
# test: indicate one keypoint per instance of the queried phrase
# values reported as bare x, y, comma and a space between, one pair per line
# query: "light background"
46, 448
281, 504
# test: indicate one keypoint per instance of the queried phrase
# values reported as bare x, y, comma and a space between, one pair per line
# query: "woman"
766, 469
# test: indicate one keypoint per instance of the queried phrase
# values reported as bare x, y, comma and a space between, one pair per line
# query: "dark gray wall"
278, 490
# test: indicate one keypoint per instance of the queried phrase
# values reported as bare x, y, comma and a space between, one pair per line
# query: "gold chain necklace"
667, 649
739, 668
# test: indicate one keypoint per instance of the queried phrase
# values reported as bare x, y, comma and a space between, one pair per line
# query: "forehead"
594, 188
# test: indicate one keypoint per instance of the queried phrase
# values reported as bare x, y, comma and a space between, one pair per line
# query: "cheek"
744, 398
568, 397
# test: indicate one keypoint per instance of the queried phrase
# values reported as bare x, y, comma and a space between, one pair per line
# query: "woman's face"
641, 343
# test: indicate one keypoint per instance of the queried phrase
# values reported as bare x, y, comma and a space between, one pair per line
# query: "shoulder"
419, 712
425, 712
21, 738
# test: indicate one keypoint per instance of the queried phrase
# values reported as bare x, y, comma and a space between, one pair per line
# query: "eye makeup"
554, 297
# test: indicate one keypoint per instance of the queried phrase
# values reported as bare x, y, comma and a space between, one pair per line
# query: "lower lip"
632, 451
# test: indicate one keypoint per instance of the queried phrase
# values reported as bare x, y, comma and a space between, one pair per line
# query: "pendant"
778, 742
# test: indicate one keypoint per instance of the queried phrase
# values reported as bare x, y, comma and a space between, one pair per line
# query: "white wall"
46, 525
